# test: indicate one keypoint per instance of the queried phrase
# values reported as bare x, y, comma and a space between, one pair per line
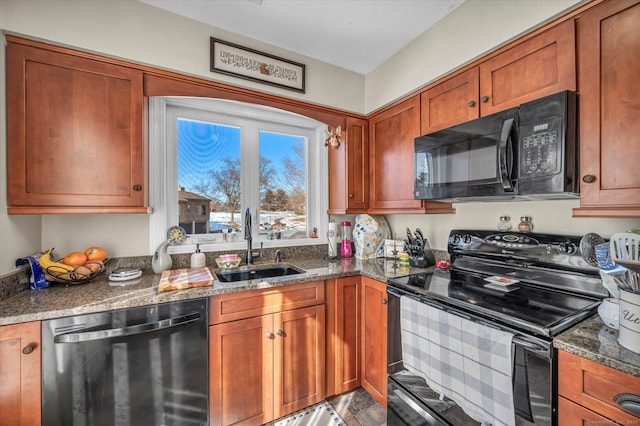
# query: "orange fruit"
75, 258
96, 253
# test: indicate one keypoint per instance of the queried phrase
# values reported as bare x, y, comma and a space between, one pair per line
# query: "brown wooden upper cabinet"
74, 134
609, 102
538, 66
391, 133
349, 170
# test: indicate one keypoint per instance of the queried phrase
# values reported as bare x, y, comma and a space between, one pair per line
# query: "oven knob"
455, 239
466, 239
567, 248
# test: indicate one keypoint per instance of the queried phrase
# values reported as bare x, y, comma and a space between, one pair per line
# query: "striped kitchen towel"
468, 362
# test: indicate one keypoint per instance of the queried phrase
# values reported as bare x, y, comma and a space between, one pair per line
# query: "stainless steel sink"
257, 273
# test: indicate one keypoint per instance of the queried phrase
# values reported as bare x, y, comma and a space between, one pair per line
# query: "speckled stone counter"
593, 340
101, 295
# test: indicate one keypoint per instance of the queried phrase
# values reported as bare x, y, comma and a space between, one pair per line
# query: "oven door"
474, 159
410, 396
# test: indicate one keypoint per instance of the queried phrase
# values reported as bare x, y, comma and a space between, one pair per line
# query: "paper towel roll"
332, 238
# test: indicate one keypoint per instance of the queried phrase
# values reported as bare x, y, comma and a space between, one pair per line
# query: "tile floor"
358, 408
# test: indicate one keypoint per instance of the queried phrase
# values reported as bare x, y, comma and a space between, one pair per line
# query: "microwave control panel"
540, 146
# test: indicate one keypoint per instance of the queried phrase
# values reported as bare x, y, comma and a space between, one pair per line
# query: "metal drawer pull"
628, 402
126, 331
279, 332
28, 349
269, 335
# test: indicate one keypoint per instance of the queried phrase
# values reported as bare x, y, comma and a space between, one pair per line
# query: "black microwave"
528, 152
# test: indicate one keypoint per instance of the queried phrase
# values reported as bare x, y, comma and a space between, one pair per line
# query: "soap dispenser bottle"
198, 259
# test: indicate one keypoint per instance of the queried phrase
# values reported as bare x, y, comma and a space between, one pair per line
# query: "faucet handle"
278, 256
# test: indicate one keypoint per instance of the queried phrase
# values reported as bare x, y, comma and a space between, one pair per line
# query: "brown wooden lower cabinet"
267, 366
20, 374
587, 390
343, 335
373, 335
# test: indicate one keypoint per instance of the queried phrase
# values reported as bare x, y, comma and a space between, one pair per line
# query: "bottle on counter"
525, 224
504, 224
198, 258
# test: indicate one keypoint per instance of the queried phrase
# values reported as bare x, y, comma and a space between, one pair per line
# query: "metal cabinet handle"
385, 301
137, 187
472, 103
28, 349
350, 195
484, 99
588, 178
628, 402
279, 332
269, 335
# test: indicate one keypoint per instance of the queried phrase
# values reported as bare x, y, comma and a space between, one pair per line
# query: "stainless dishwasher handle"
126, 331
414, 406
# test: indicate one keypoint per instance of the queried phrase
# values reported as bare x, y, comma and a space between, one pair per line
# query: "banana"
51, 266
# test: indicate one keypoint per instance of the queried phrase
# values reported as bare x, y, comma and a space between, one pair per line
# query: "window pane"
208, 177
283, 186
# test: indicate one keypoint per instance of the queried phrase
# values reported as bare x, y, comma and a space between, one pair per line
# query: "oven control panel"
560, 251
511, 241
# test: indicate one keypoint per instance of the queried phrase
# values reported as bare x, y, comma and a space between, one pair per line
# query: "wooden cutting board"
176, 279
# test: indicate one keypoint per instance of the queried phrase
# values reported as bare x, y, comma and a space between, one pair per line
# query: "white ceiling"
357, 35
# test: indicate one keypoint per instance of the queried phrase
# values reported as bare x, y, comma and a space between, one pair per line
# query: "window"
224, 157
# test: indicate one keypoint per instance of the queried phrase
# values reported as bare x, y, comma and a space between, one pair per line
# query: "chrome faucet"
247, 236
278, 256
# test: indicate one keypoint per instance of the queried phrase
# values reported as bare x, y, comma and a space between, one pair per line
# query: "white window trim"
163, 171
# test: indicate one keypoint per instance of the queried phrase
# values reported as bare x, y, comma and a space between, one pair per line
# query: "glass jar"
525, 224
504, 224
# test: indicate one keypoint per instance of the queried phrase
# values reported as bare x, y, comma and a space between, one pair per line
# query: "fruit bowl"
80, 275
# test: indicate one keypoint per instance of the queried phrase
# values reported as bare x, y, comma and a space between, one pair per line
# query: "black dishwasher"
137, 366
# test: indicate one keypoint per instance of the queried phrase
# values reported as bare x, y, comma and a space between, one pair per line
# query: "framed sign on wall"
249, 64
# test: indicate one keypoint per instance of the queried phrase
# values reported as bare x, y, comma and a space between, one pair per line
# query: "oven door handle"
531, 346
126, 331
414, 405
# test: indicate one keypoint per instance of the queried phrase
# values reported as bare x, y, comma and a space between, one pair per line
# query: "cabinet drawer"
594, 386
246, 304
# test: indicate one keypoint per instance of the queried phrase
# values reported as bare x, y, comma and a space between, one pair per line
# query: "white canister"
629, 336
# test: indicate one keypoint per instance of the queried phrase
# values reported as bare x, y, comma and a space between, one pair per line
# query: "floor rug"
321, 414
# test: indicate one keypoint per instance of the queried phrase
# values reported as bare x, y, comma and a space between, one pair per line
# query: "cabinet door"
357, 165
241, 372
609, 66
346, 335
392, 133
374, 338
75, 134
540, 66
349, 170
451, 102
299, 359
20, 374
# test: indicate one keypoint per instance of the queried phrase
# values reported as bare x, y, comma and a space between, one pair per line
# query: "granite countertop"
99, 295
593, 340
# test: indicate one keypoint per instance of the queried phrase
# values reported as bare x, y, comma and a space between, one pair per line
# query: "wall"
471, 30
144, 34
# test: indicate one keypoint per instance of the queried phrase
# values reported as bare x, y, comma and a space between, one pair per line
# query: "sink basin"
257, 273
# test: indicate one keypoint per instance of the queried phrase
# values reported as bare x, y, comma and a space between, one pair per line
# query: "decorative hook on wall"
334, 137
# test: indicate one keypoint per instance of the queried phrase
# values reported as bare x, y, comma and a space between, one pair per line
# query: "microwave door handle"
505, 151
